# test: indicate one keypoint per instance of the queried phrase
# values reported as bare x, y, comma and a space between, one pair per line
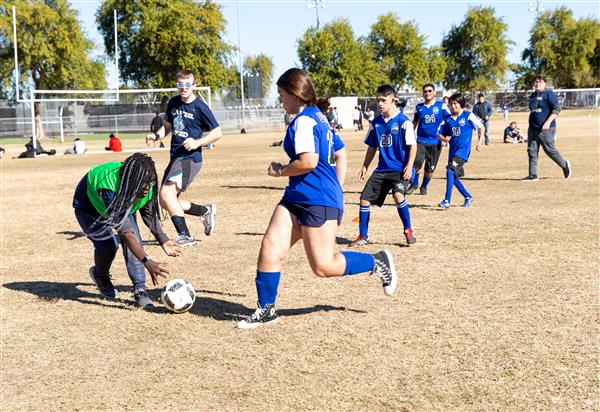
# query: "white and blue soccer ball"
178, 295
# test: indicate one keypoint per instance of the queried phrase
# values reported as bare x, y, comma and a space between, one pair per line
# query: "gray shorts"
181, 172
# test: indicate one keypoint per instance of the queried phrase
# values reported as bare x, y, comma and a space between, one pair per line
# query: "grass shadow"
74, 235
253, 187
53, 291
249, 234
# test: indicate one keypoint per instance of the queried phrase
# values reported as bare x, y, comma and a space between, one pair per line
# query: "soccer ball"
178, 295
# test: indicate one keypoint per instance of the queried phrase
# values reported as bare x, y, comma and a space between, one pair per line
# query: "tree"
157, 38
52, 50
400, 50
562, 48
476, 50
338, 63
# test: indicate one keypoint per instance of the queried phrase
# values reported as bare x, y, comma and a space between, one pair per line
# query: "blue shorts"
312, 216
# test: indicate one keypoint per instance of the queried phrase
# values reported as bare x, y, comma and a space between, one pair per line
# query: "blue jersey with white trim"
310, 132
430, 118
393, 138
461, 129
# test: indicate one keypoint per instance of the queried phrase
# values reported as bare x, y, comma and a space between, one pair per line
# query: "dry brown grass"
497, 307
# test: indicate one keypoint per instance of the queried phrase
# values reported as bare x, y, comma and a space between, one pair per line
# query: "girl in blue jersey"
312, 205
457, 130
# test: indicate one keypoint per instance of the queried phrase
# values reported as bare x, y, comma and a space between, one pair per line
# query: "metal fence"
135, 116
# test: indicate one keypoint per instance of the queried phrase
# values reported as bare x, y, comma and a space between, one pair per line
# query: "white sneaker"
185, 241
209, 219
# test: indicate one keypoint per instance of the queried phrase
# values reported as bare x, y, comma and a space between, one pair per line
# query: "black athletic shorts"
457, 164
311, 215
428, 154
379, 184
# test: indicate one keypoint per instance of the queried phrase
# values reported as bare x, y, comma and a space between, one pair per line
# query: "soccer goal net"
73, 113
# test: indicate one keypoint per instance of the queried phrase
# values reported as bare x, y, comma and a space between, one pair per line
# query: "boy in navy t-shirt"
192, 125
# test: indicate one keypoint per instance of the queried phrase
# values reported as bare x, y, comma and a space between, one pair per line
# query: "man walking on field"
543, 110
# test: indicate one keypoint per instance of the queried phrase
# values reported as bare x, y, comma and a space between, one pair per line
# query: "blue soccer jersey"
430, 118
188, 120
461, 129
393, 138
309, 132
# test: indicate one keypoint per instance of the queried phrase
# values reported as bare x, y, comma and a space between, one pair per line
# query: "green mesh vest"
107, 176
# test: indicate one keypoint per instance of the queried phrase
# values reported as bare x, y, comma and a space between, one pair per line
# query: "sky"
273, 27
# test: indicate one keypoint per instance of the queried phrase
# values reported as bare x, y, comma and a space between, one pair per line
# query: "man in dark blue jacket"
543, 110
483, 110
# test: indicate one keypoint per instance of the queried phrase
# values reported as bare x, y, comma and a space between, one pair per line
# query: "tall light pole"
237, 3
536, 5
316, 4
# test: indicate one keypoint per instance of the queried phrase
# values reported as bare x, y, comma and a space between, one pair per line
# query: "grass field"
496, 309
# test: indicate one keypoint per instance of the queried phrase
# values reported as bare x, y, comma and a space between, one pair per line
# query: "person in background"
544, 108
114, 144
77, 148
155, 125
457, 130
512, 134
427, 119
483, 110
505, 110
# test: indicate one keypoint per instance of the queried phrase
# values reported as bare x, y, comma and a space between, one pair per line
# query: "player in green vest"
106, 201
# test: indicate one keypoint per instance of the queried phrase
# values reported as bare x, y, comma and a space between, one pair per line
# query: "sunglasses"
181, 85
428, 91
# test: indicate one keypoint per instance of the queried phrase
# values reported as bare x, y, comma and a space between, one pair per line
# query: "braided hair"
137, 173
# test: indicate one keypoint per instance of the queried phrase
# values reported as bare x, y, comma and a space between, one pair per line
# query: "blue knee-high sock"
449, 183
363, 225
415, 180
404, 213
426, 181
266, 287
357, 262
461, 188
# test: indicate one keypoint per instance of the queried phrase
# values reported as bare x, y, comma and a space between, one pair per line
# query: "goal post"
70, 112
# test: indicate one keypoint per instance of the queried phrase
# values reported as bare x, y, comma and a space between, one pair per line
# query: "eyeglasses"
428, 91
181, 85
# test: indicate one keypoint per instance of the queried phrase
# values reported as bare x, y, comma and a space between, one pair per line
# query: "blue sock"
461, 188
449, 184
363, 224
266, 287
415, 180
426, 181
357, 262
404, 213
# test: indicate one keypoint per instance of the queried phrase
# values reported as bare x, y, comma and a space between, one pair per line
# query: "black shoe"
530, 178
423, 191
411, 188
104, 285
567, 169
384, 269
260, 317
142, 299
